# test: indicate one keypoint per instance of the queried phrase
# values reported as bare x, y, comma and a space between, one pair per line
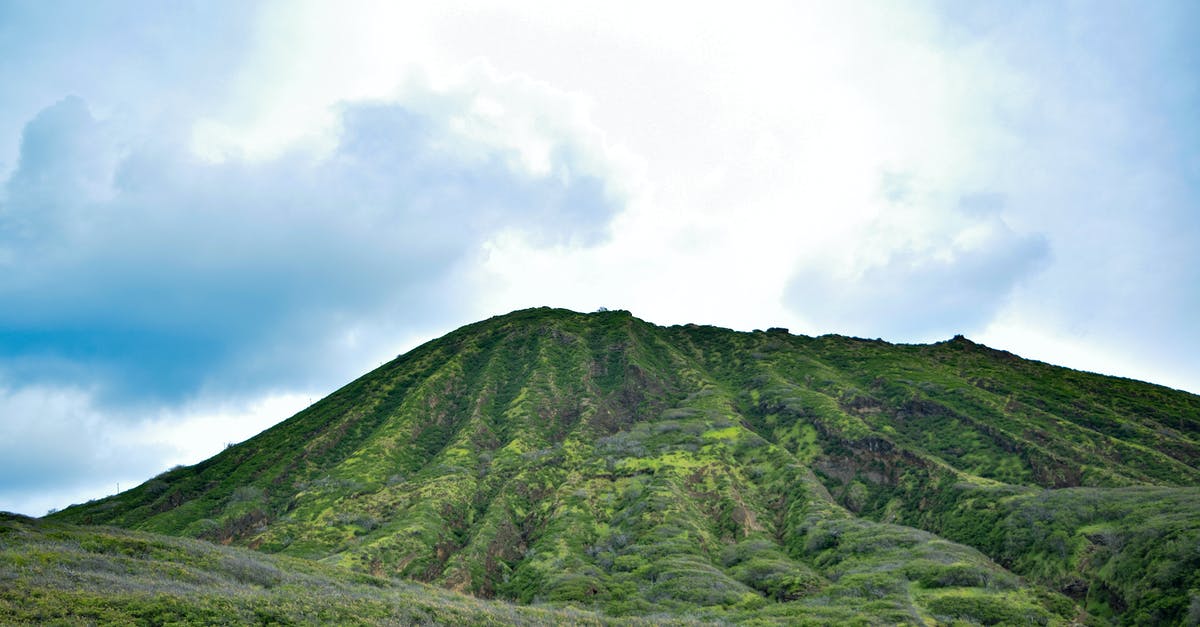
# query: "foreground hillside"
604, 462
55, 573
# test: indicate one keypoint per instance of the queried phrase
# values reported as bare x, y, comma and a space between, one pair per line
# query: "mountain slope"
51, 573
603, 461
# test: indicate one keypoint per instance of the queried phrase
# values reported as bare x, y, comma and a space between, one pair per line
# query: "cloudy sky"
215, 213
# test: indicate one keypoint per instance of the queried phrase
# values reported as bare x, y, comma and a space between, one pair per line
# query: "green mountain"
601, 462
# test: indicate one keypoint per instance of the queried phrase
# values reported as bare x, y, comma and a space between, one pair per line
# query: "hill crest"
597, 459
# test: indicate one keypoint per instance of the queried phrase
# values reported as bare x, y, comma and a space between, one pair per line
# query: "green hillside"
54, 573
602, 462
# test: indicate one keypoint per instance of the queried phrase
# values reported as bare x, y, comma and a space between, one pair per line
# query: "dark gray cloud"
130, 265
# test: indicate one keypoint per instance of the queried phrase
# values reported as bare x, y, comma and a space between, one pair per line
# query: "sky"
213, 214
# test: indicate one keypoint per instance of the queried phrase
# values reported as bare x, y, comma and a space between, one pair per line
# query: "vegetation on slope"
600, 461
59, 573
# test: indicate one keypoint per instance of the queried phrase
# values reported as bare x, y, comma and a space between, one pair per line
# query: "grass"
53, 573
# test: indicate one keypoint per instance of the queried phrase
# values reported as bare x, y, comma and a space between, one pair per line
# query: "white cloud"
764, 133
352, 174
59, 446
1043, 187
160, 272
54, 446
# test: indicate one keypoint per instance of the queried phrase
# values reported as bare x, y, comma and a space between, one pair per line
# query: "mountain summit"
602, 461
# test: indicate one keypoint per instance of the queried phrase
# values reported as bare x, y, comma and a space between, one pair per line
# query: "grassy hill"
602, 462
54, 573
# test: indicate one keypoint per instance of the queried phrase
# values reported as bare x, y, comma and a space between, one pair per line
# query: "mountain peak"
548, 455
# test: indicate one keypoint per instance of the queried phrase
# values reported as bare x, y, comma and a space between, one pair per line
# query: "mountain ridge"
602, 461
